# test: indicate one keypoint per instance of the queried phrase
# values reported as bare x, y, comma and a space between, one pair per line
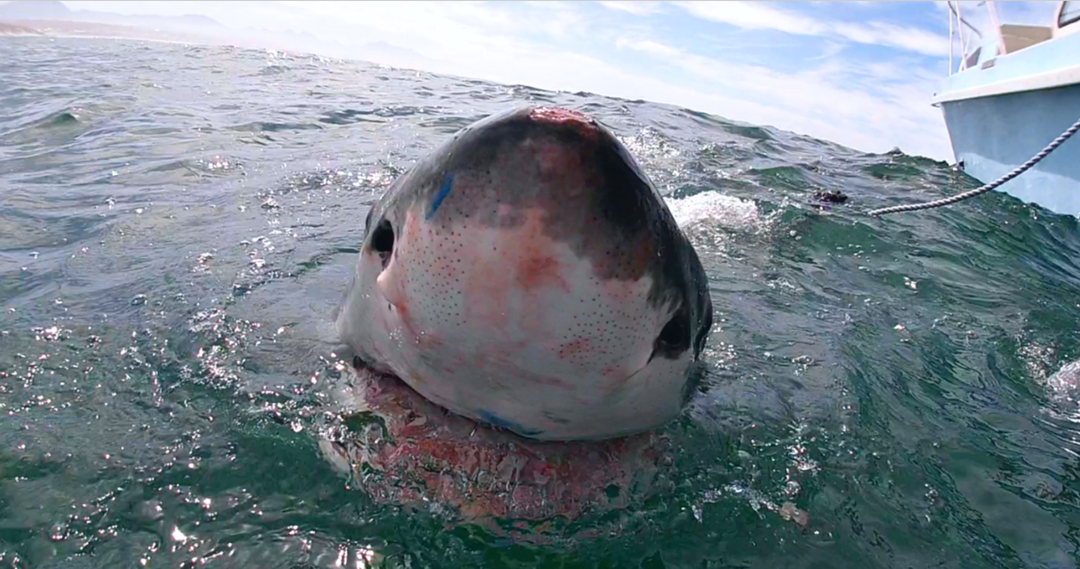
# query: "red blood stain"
536, 266
584, 125
567, 170
536, 271
558, 115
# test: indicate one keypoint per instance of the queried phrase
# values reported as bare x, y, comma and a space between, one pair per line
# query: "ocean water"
177, 224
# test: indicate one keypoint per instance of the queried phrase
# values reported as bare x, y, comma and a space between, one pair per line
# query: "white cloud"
648, 46
759, 16
754, 16
869, 106
910, 39
829, 50
859, 3
642, 8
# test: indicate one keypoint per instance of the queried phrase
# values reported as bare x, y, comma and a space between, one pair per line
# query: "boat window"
973, 59
1070, 12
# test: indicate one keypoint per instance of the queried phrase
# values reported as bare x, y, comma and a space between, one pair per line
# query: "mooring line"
982, 190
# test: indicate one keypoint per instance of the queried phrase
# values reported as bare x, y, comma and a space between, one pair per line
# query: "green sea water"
177, 224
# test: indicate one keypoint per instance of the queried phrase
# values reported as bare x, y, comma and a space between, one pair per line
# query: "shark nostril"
382, 241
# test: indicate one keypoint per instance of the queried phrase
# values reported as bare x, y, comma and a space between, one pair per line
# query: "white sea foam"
716, 209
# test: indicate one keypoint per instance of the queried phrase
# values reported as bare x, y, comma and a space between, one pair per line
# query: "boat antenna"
963, 21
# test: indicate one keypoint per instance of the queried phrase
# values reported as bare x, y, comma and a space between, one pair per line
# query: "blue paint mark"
497, 421
448, 182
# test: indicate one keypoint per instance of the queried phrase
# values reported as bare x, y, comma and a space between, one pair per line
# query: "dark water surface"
177, 224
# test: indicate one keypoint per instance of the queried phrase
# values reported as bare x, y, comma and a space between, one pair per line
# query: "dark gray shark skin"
528, 275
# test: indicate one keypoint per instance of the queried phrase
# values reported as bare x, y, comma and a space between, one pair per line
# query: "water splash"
716, 209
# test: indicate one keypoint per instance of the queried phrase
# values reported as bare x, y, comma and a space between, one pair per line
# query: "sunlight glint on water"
178, 223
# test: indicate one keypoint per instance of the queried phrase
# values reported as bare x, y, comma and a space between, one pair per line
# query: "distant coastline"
7, 29
378, 53
74, 28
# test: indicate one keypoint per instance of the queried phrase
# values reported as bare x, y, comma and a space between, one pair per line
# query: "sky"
856, 73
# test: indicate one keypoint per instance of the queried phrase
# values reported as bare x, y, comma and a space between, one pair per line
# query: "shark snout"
528, 275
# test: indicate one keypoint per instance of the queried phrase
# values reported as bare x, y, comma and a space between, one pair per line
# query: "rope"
972, 193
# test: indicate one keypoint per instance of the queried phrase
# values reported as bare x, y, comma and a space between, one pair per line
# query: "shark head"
528, 275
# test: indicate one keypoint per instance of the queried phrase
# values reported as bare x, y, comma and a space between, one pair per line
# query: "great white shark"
524, 313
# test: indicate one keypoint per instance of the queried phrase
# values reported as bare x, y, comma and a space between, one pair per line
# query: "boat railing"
957, 24
976, 49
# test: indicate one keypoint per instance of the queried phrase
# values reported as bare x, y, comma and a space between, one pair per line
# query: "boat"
1014, 89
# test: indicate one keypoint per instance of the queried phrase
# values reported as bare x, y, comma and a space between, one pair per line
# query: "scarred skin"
403, 449
527, 275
